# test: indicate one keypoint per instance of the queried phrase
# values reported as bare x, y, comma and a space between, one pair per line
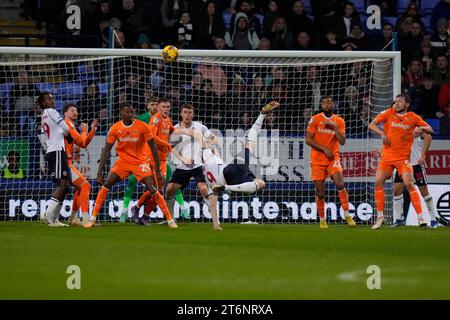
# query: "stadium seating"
226, 16
426, 22
69, 90
103, 87
435, 124
402, 5
360, 6
46, 87
428, 6
307, 4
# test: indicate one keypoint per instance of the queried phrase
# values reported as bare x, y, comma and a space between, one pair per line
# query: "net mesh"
227, 93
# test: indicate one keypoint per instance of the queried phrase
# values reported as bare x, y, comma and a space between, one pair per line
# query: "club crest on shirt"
156, 120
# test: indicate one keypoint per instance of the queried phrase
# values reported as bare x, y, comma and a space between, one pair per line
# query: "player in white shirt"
419, 150
187, 159
54, 129
235, 176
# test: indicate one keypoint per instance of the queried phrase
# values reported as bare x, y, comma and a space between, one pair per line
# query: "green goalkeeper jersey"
145, 117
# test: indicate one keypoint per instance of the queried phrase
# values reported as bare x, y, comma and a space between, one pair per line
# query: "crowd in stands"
246, 25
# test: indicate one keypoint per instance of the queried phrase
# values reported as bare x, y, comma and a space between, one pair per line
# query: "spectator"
349, 18
330, 41
185, 31
91, 103
245, 121
426, 55
210, 27
439, 40
270, 14
264, 44
280, 37
170, 12
115, 24
444, 100
388, 7
242, 37
258, 90
13, 169
219, 43
303, 41
385, 42
133, 21
442, 72
306, 115
412, 80
22, 99
358, 38
298, 21
216, 75
254, 24
410, 42
359, 126
327, 18
144, 42
440, 11
429, 98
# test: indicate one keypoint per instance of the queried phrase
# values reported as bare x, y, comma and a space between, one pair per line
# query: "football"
170, 53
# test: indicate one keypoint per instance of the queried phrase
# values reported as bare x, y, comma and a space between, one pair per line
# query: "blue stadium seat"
227, 20
103, 87
307, 4
426, 22
261, 19
46, 87
360, 6
391, 20
5, 89
435, 124
70, 89
428, 6
402, 5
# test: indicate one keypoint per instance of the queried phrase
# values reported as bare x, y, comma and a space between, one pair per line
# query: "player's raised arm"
422, 124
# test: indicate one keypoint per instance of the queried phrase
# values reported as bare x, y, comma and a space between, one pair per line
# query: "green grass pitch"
241, 262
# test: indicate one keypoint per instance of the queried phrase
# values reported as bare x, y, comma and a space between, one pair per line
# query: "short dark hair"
388, 24
428, 76
67, 107
187, 106
41, 97
152, 99
404, 96
326, 97
125, 104
164, 99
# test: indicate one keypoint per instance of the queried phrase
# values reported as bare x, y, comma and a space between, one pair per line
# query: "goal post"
227, 90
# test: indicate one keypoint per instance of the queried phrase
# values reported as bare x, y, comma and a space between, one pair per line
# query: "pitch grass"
241, 262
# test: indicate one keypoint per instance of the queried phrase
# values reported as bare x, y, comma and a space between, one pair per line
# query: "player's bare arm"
426, 146
313, 144
373, 126
103, 158
339, 134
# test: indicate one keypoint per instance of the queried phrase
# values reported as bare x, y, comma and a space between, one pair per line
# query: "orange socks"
415, 200
320, 208
101, 197
84, 197
343, 196
76, 201
379, 198
162, 205
150, 205
143, 199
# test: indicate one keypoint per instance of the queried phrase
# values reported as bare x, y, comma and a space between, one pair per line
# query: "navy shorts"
237, 174
58, 167
183, 177
420, 176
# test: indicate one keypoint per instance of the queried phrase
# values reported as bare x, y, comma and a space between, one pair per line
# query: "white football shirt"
54, 129
188, 147
213, 168
416, 150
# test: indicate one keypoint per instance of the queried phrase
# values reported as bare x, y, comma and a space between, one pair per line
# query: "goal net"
227, 90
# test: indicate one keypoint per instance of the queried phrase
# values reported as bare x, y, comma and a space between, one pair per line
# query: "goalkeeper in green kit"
152, 107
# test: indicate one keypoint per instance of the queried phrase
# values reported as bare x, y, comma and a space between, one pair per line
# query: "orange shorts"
322, 171
76, 175
401, 166
123, 169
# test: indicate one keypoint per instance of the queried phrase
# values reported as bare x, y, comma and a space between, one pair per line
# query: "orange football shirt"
131, 140
161, 128
325, 136
82, 140
399, 129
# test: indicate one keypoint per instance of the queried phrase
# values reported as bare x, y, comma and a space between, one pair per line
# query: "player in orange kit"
134, 142
324, 134
83, 188
397, 135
